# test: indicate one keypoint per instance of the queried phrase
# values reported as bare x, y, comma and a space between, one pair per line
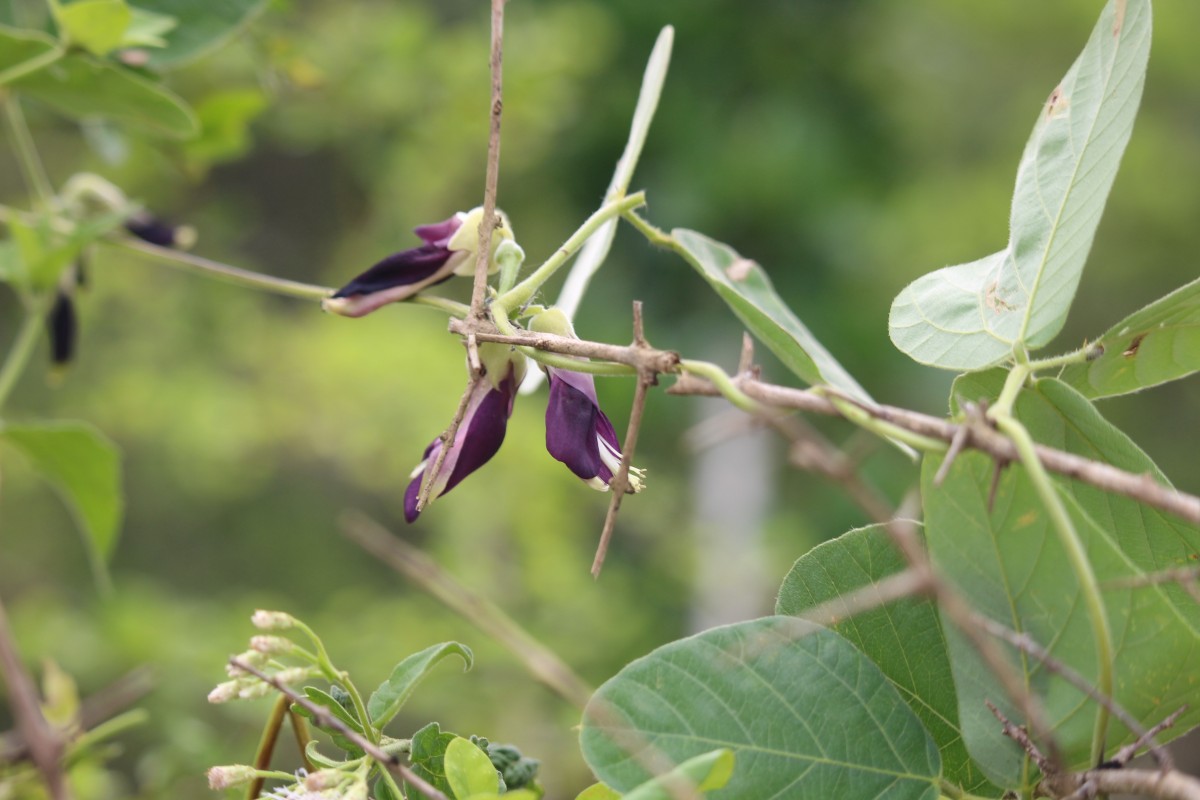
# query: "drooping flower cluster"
578, 433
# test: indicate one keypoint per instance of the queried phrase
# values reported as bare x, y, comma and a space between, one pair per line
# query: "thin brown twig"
1146, 738
45, 746
323, 716
410, 562
620, 481
488, 224
902, 585
266, 745
1188, 579
448, 436
1026, 644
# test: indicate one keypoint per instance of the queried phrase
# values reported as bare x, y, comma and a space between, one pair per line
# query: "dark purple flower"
63, 328
448, 250
150, 228
482, 430
580, 435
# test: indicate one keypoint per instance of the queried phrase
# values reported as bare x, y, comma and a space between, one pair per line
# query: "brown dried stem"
45, 746
488, 223
323, 716
410, 562
620, 480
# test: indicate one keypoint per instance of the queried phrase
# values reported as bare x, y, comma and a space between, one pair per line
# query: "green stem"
523, 291
1054, 362
655, 236
27, 157
1077, 556
724, 384
451, 307
386, 774
22, 348
864, 419
242, 277
334, 675
31, 65
1008, 394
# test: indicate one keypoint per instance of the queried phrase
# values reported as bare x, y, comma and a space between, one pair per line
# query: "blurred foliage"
847, 147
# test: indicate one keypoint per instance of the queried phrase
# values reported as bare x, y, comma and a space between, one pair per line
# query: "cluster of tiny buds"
272, 620
231, 775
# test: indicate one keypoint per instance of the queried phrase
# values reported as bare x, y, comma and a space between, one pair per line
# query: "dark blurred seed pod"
63, 328
150, 228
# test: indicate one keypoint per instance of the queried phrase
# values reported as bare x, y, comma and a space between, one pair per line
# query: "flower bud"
272, 645
225, 692
227, 777
272, 620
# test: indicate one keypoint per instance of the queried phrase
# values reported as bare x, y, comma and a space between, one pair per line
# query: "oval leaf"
598, 791
392, 693
745, 287
469, 771
904, 639
1008, 561
81, 87
703, 773
800, 707
84, 466
972, 316
1160, 343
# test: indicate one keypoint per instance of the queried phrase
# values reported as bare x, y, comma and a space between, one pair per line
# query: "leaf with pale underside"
805, 714
973, 316
1158, 344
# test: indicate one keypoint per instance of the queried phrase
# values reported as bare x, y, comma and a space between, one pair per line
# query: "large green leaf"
18, 45
84, 467
745, 287
427, 753
973, 315
81, 87
202, 26
1160, 343
392, 693
805, 713
469, 771
904, 639
1010, 564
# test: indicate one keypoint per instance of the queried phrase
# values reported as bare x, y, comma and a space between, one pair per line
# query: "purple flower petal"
149, 228
571, 419
478, 438
439, 234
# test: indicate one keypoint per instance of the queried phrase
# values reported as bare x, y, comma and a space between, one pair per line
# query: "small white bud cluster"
272, 620
229, 776
272, 645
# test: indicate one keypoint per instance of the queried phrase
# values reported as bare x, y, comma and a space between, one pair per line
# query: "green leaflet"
1160, 343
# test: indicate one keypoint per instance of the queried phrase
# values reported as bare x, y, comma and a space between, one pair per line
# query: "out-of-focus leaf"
1160, 343
44, 253
799, 706
10, 261
225, 119
1008, 561
469, 770
598, 791
904, 638
81, 87
202, 26
97, 26
972, 316
392, 693
428, 754
84, 467
147, 29
745, 287
18, 45
60, 706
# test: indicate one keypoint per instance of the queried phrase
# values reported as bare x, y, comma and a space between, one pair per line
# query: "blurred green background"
848, 147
